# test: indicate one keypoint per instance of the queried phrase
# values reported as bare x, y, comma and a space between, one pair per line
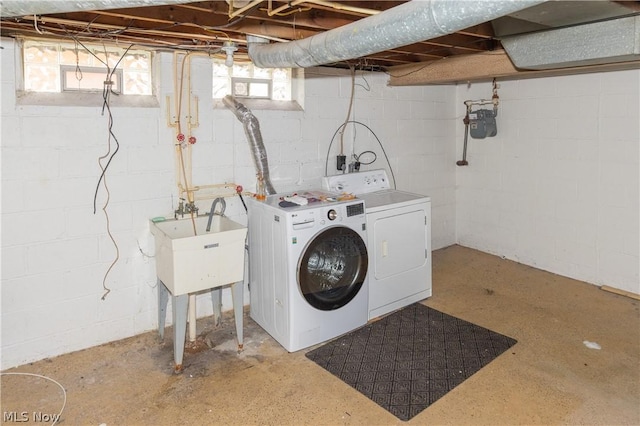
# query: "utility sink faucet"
185, 208
223, 206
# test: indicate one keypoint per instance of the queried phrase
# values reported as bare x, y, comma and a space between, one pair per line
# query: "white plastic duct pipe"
411, 22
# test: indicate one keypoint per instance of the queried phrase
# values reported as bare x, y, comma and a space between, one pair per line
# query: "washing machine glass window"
332, 268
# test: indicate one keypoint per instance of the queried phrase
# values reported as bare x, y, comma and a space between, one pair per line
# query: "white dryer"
308, 267
399, 239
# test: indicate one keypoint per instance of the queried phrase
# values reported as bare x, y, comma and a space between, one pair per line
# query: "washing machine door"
332, 268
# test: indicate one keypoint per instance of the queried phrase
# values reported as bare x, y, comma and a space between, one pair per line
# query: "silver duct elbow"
254, 137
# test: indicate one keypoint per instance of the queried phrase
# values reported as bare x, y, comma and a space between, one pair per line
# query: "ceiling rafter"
205, 25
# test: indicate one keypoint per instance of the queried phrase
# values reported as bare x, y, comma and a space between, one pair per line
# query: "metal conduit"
411, 22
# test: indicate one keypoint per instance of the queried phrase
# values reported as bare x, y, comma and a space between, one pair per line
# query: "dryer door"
332, 268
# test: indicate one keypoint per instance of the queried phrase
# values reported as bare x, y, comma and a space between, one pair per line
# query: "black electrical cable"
326, 164
243, 203
375, 157
106, 91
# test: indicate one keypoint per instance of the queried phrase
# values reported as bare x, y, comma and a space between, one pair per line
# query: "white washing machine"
399, 239
308, 267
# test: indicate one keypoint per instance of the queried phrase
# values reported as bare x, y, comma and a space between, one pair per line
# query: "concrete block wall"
557, 188
56, 251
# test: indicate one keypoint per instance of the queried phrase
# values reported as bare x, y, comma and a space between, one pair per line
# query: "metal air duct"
610, 41
411, 22
254, 137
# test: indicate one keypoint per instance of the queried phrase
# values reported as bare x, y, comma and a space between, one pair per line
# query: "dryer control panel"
358, 182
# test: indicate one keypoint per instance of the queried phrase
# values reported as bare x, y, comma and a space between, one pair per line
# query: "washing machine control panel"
310, 217
355, 209
358, 182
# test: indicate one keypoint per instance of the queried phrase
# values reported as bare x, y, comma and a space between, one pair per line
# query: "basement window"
59, 67
89, 79
251, 88
264, 88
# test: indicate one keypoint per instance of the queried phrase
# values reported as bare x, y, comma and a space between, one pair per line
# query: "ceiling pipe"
409, 23
330, 4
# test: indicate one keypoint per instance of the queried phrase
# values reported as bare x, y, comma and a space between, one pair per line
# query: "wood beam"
482, 67
453, 69
203, 16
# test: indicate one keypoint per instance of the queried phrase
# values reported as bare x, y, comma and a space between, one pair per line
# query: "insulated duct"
610, 41
13, 8
408, 23
254, 137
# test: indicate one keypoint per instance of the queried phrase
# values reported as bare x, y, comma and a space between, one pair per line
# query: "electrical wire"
142, 251
346, 120
40, 376
375, 157
243, 203
367, 87
35, 25
103, 179
326, 164
106, 96
111, 237
78, 70
106, 92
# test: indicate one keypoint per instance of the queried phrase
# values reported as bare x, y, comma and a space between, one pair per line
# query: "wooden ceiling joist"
483, 66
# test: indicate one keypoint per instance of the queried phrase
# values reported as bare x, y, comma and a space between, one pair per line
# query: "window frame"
82, 98
65, 88
296, 87
249, 82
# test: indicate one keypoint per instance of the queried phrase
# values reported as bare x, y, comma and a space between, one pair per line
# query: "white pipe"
411, 22
333, 5
339, 6
243, 9
277, 10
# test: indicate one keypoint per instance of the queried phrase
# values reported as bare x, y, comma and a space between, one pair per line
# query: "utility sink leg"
216, 298
163, 300
180, 308
237, 293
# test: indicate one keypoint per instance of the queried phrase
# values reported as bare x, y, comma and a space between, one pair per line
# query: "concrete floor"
548, 377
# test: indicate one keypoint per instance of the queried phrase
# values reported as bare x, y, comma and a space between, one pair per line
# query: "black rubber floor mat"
407, 360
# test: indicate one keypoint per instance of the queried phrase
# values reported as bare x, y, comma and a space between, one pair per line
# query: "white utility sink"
187, 262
